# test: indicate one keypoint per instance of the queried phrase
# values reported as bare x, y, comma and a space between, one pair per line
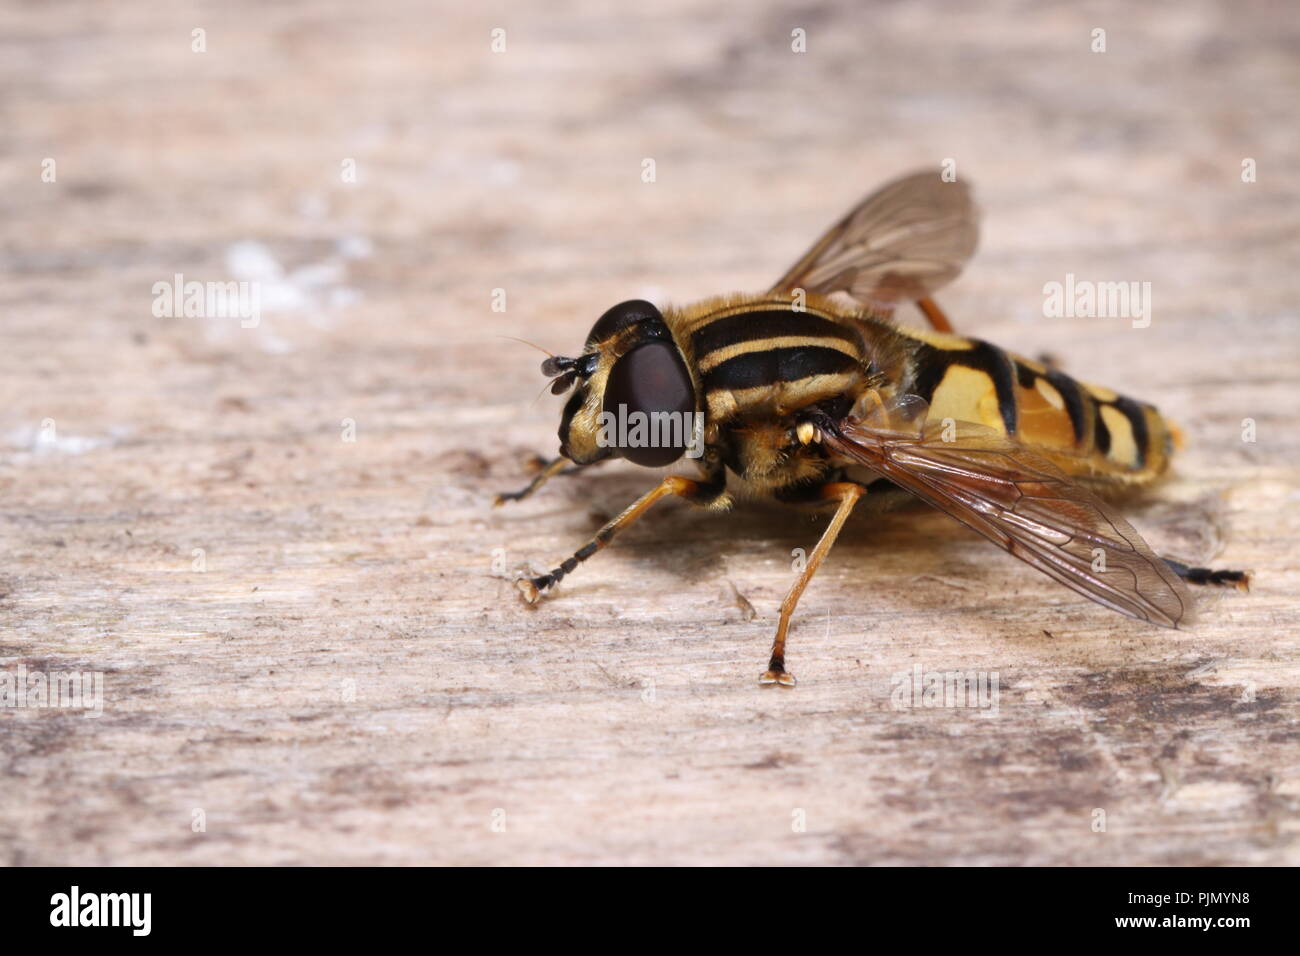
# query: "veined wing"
901, 243
1028, 507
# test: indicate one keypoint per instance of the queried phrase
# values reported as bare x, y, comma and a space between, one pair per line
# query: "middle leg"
847, 494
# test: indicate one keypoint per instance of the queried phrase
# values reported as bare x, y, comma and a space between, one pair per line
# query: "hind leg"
1208, 576
938, 320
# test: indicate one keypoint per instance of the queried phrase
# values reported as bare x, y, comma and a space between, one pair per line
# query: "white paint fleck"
36, 440
316, 291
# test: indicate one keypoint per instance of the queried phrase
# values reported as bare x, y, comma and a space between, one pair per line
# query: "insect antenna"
530, 344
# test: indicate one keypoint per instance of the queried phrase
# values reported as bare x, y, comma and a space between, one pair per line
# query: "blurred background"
408, 183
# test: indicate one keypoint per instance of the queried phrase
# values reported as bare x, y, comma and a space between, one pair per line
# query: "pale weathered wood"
349, 680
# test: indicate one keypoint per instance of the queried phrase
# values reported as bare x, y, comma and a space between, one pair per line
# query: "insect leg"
557, 466
936, 315
699, 491
1228, 579
847, 494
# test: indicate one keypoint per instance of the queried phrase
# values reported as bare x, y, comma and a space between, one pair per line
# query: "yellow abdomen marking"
1123, 444
1088, 430
967, 395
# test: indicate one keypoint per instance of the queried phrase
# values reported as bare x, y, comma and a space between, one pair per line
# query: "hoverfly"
810, 394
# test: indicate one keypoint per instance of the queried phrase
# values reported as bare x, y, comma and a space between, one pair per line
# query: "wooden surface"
351, 681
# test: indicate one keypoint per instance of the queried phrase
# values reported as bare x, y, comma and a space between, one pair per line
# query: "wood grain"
351, 677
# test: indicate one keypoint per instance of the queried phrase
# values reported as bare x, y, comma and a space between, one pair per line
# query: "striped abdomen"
1085, 429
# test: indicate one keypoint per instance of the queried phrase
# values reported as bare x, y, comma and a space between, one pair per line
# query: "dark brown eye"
650, 400
620, 317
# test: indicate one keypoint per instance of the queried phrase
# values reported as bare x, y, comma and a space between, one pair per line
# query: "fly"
811, 394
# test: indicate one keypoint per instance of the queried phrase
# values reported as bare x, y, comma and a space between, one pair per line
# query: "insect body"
811, 394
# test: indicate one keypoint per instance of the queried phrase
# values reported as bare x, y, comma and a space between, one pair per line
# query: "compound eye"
620, 317
643, 385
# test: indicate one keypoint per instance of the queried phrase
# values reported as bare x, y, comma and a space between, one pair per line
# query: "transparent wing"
1028, 507
899, 244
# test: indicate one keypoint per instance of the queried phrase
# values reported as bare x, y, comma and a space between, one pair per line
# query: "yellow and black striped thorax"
758, 355
1086, 429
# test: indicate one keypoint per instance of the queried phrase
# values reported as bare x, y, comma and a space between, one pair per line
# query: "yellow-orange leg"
935, 314
532, 588
847, 494
549, 470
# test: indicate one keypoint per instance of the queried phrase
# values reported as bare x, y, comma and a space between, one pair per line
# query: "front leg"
702, 492
548, 470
